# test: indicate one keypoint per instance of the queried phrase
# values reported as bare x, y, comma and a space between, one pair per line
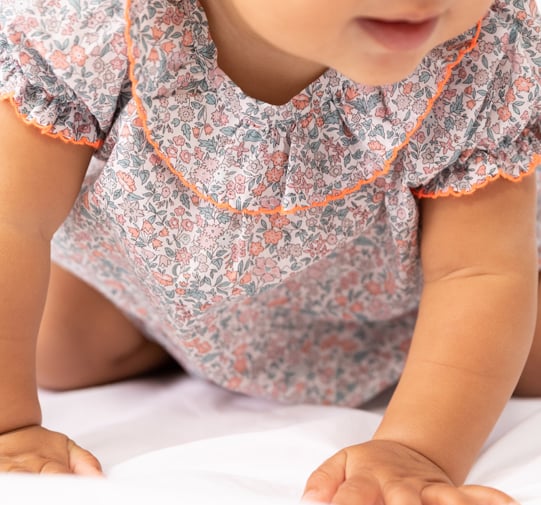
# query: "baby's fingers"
362, 489
328, 484
31, 465
443, 494
323, 483
83, 462
487, 495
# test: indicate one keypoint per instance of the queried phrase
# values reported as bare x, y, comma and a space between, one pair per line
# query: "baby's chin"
383, 70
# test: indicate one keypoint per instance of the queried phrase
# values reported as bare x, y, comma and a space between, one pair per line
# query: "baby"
288, 198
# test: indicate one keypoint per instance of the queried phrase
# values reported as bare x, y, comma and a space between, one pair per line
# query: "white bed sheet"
179, 440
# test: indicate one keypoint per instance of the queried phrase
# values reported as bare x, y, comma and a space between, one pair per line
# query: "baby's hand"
37, 450
386, 473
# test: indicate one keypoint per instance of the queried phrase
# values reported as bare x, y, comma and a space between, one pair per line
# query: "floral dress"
272, 249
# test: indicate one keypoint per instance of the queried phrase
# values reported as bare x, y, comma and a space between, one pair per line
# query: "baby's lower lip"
399, 35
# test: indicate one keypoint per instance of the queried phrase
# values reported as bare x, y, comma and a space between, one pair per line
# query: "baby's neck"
258, 68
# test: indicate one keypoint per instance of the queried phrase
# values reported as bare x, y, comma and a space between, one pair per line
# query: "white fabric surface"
179, 440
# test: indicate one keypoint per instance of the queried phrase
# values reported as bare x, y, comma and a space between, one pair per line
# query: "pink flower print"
266, 269
204, 171
256, 248
207, 242
126, 181
187, 39
245, 279
232, 276
240, 183
318, 248
238, 250
351, 93
305, 122
272, 237
259, 189
510, 96
164, 261
59, 60
375, 145
379, 112
168, 46
274, 174
148, 228
171, 151
230, 190
407, 88
117, 64
182, 256
219, 118
213, 231
157, 34
523, 84
179, 140
279, 158
504, 113
78, 55
163, 279
241, 364
187, 224
373, 287
153, 55
269, 202
279, 220
295, 251
300, 102
25, 59
403, 102
216, 77
186, 114
234, 383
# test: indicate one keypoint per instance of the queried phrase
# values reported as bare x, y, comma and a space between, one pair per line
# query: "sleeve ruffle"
487, 124
476, 168
64, 66
44, 101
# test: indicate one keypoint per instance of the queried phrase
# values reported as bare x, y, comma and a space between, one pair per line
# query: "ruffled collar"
328, 141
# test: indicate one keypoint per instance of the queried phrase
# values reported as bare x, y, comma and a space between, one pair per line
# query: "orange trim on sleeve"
534, 163
280, 210
46, 130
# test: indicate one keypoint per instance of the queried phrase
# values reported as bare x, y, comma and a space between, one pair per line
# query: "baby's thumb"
83, 462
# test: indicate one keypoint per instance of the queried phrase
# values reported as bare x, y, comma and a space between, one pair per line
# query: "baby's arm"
39, 181
475, 326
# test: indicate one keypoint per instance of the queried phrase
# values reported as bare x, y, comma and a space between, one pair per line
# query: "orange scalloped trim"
534, 163
46, 130
280, 210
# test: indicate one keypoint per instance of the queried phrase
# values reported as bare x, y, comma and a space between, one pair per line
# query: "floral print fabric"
271, 249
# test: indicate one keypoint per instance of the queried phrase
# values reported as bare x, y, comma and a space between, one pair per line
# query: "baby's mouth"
399, 35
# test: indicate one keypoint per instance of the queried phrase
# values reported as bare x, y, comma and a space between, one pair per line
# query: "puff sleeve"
487, 124
63, 65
